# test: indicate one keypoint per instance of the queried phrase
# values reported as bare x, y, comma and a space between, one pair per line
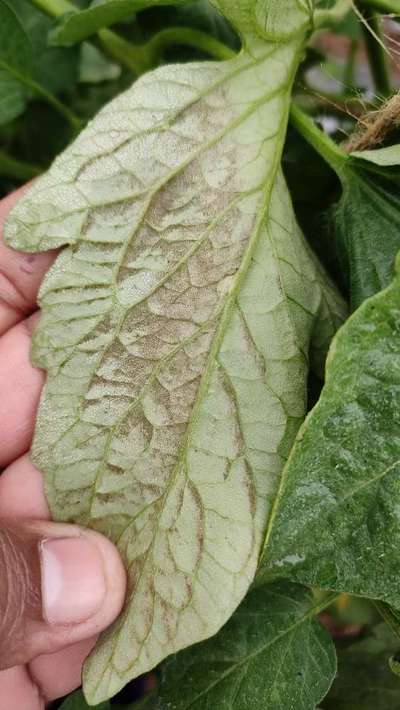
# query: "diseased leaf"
75, 26
272, 654
175, 331
364, 680
336, 521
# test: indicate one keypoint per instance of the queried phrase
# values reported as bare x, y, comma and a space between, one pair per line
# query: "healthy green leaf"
76, 701
272, 654
336, 522
76, 26
54, 68
15, 46
364, 680
367, 226
12, 97
365, 222
17, 59
175, 333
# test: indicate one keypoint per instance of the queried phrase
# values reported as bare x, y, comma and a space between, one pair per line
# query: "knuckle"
20, 600
11, 296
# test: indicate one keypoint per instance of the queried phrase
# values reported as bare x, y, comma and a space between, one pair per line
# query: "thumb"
59, 584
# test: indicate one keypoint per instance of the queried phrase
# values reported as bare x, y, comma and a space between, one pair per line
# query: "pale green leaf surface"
272, 654
336, 524
175, 333
268, 19
76, 26
384, 157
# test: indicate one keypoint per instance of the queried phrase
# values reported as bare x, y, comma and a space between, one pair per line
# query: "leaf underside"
175, 333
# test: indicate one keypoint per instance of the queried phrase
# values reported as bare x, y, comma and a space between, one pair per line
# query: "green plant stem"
377, 57
334, 155
75, 122
130, 56
391, 7
348, 76
12, 168
191, 38
55, 8
140, 58
114, 45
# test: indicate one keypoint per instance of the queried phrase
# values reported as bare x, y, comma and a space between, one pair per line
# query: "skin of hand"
60, 585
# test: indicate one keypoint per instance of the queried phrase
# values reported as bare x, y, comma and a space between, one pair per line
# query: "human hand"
59, 585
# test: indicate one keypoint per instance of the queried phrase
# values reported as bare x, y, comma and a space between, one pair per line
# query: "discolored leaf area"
336, 519
272, 654
175, 332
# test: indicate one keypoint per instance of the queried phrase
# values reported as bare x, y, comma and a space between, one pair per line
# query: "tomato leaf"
15, 46
336, 519
367, 223
175, 332
272, 654
13, 97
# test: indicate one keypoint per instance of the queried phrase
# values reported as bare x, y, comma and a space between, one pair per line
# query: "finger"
18, 691
20, 387
58, 674
22, 492
20, 274
59, 584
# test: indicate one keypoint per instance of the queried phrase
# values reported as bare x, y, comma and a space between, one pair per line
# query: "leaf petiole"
334, 155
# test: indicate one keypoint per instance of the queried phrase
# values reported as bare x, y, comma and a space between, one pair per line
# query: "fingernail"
73, 581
